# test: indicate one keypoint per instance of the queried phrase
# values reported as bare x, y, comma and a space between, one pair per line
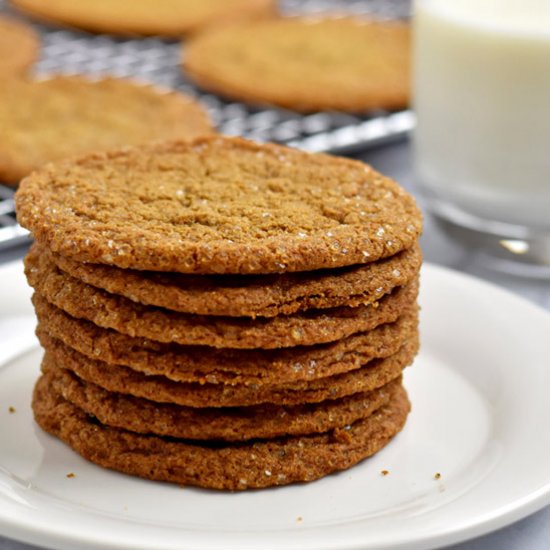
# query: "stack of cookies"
221, 313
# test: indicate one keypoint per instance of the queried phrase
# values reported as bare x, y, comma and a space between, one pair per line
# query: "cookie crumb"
11, 409
437, 476
70, 475
385, 472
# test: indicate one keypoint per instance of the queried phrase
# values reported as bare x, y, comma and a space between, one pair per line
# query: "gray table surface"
532, 533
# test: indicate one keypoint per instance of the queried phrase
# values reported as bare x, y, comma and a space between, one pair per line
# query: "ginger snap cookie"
65, 116
115, 378
123, 315
217, 205
19, 46
225, 366
230, 424
263, 296
221, 313
306, 64
234, 466
144, 17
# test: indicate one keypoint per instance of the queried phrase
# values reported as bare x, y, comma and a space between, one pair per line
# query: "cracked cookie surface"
215, 206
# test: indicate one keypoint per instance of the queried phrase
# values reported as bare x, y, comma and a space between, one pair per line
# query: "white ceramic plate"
480, 410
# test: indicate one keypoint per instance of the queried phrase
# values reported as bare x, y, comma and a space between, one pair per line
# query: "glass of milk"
482, 143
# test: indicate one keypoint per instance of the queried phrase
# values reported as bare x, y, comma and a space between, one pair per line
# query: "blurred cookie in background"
19, 46
144, 17
64, 116
305, 64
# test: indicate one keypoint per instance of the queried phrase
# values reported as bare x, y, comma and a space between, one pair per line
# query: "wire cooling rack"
158, 61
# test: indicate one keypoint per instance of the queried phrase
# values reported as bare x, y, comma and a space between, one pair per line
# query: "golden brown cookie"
228, 466
306, 64
19, 46
121, 314
230, 424
217, 205
167, 17
115, 378
66, 116
225, 366
250, 296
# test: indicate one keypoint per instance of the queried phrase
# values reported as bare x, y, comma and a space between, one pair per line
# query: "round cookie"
115, 378
145, 17
66, 116
250, 296
19, 46
305, 64
224, 366
232, 424
217, 205
231, 466
116, 312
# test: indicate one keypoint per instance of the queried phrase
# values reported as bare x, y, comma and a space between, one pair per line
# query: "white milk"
482, 96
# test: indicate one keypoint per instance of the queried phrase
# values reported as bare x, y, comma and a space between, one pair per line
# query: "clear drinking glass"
482, 142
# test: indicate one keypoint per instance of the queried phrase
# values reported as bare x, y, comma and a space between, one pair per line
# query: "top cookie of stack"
256, 303
218, 205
